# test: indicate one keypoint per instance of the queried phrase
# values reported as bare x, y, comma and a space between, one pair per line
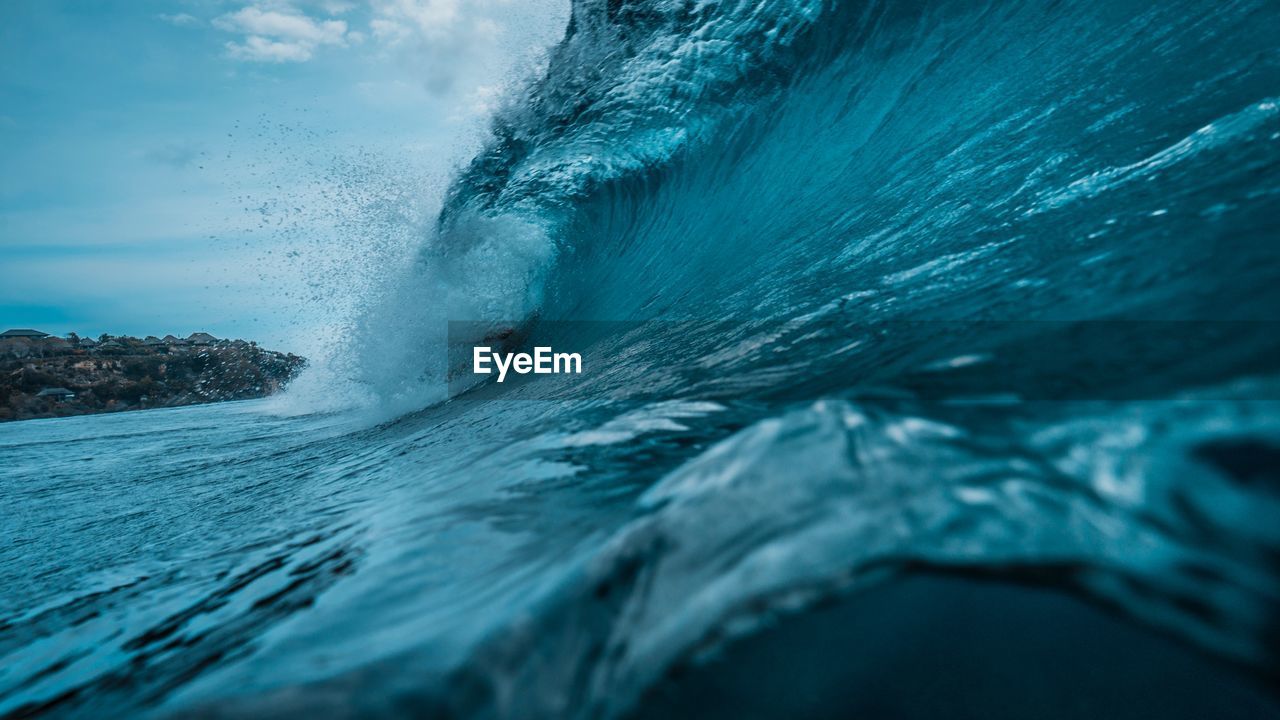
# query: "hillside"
45, 376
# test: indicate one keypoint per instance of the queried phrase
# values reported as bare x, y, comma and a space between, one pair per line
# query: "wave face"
881, 290
680, 158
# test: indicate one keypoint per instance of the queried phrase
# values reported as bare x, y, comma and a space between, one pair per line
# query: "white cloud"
453, 45
181, 19
388, 30
294, 27
398, 20
256, 48
336, 7
462, 49
279, 35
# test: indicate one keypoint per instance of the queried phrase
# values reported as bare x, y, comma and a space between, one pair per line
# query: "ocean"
931, 369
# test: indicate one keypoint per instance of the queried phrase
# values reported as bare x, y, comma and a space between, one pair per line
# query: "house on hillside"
24, 333
201, 338
152, 341
25, 342
57, 394
88, 342
171, 340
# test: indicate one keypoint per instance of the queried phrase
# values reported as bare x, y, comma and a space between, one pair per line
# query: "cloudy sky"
232, 165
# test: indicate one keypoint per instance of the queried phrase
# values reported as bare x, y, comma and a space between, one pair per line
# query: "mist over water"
881, 304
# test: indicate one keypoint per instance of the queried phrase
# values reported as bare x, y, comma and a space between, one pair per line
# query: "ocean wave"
973, 288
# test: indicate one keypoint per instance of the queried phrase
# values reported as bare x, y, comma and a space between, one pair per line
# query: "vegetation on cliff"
45, 376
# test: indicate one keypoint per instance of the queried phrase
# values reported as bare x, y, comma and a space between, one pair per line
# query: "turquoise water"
931, 316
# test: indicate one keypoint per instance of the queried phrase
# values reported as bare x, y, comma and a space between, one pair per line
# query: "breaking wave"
879, 289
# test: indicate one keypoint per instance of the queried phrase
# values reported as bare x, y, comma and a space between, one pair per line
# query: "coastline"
50, 377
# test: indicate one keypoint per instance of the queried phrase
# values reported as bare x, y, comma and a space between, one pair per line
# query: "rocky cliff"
56, 377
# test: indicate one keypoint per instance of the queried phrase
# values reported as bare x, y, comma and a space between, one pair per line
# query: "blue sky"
243, 167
